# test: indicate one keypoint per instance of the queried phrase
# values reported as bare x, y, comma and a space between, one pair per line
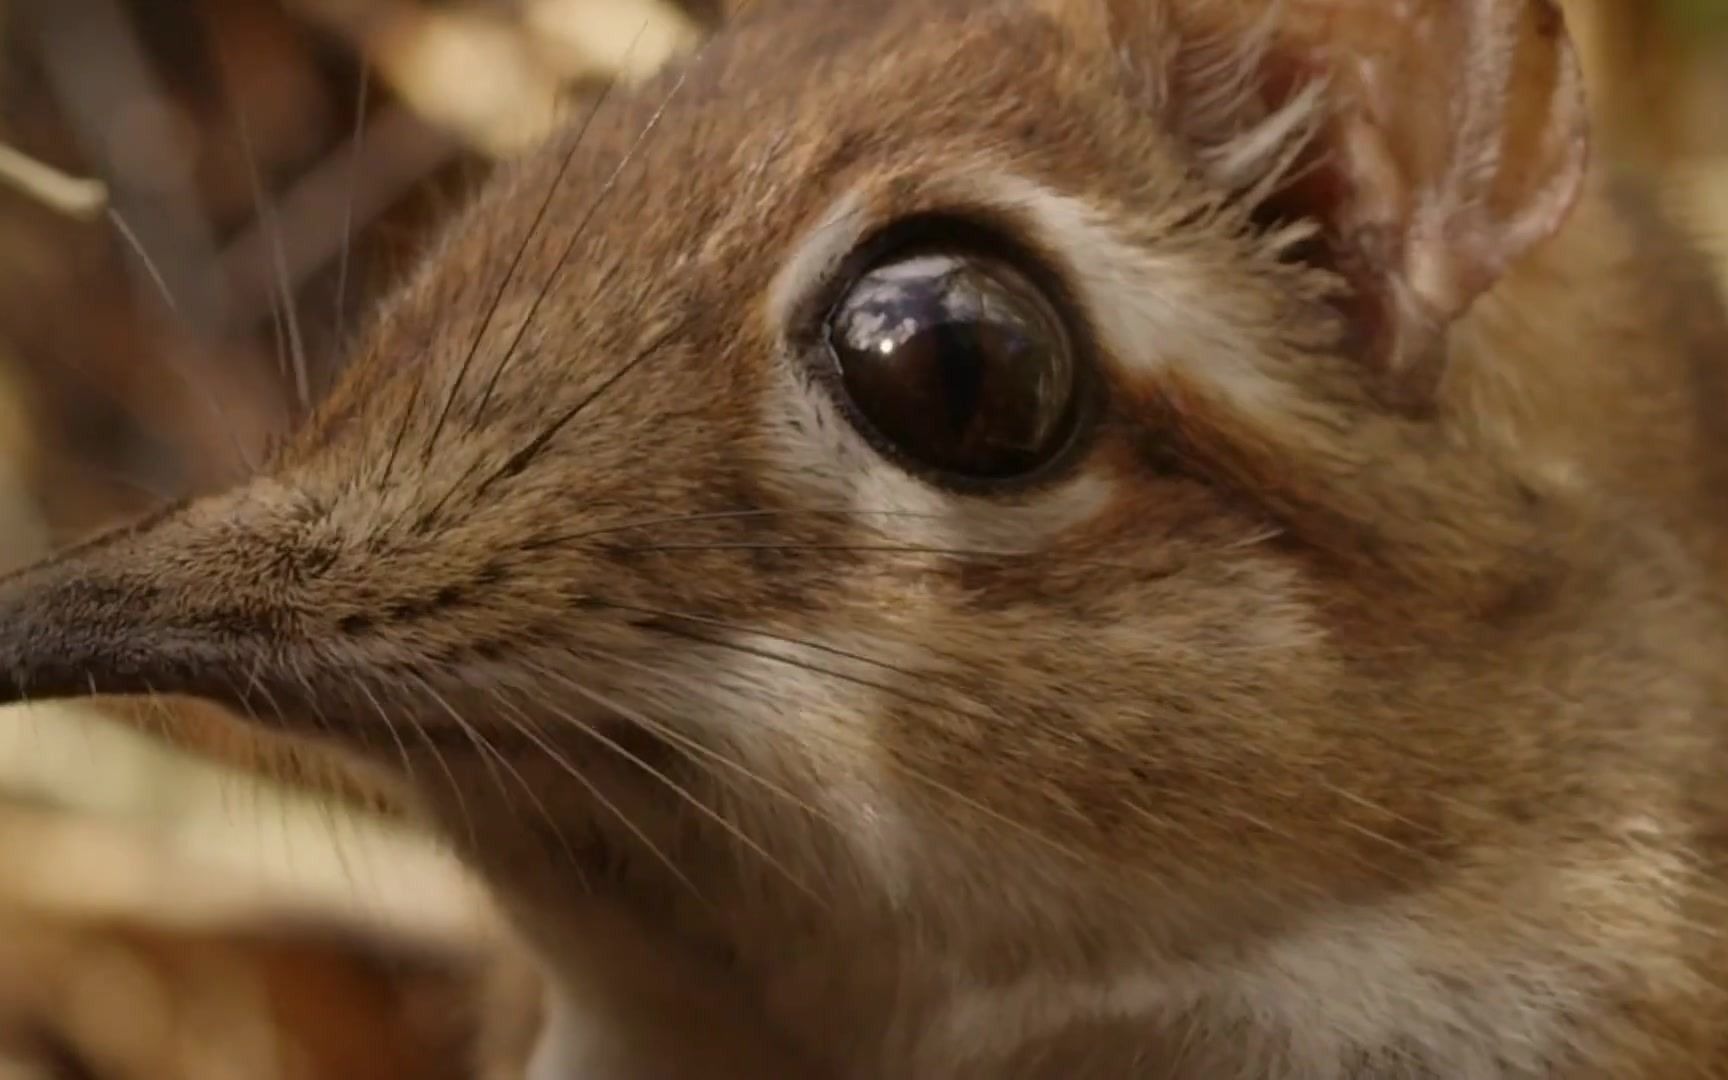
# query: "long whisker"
109, 475
903, 768
882, 549
815, 669
288, 315
255, 684
354, 159
390, 728
521, 251
520, 723
888, 549
742, 628
218, 412
490, 755
619, 708
720, 515
474, 736
520, 459
130, 236
935, 785
1369, 804
437, 754
690, 746
576, 236
327, 811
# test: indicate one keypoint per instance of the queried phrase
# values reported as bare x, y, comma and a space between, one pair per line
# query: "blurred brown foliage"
268, 168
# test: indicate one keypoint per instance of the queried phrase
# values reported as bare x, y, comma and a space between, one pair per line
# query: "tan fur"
1324, 720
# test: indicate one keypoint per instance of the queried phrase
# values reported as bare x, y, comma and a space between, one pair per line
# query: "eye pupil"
962, 375
958, 362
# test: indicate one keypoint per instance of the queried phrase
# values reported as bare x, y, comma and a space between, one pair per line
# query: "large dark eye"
958, 361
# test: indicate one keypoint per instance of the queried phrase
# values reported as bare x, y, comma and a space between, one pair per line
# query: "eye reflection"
958, 361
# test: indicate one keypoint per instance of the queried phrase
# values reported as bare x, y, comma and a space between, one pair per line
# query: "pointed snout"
72, 626
116, 615
133, 613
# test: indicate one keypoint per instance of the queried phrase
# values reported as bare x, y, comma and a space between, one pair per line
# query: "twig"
73, 196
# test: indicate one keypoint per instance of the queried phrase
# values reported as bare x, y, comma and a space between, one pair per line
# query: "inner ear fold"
1439, 141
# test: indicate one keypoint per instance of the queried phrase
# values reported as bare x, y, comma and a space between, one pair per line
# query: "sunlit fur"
1286, 733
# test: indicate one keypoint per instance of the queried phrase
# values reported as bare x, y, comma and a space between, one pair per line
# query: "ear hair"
1435, 142
1218, 86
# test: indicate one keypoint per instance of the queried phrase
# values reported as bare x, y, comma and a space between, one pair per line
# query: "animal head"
945, 449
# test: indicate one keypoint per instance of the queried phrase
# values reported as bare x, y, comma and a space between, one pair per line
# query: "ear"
1434, 141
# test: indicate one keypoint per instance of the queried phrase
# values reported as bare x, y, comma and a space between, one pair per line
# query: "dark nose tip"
91, 624
65, 633
91, 620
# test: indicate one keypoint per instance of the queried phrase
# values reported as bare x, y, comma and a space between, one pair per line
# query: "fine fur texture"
1350, 705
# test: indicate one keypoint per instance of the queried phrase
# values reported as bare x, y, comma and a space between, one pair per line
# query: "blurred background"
198, 198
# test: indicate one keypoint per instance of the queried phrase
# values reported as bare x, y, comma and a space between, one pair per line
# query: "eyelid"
867, 220
795, 297
968, 230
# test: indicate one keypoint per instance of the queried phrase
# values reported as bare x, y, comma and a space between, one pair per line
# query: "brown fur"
1361, 733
